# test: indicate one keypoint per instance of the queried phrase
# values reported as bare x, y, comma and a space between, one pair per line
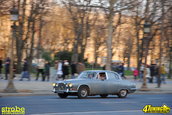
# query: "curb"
47, 92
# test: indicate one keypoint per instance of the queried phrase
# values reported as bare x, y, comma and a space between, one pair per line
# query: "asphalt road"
53, 105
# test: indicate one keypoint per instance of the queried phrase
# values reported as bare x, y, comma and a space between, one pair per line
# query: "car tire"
103, 95
83, 92
62, 95
122, 93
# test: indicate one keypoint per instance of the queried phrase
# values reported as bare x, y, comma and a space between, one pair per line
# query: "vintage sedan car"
94, 82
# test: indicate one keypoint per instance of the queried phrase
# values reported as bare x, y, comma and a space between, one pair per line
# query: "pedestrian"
135, 73
1, 66
142, 67
148, 75
80, 67
59, 70
163, 73
40, 69
7, 67
25, 72
65, 69
152, 73
121, 70
14, 69
47, 70
73, 69
158, 76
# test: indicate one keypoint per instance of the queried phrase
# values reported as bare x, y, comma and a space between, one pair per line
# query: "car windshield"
87, 75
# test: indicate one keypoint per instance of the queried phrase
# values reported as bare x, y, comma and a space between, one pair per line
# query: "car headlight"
55, 84
69, 84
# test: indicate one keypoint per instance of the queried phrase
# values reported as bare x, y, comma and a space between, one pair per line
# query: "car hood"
72, 80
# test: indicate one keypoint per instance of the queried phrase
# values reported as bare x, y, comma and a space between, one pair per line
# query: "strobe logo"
151, 109
13, 110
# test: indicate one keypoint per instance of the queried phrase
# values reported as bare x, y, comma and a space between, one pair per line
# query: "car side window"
101, 76
113, 76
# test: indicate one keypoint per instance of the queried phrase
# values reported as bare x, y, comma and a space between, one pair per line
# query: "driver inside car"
102, 76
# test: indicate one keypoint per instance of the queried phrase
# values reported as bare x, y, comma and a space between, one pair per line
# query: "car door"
113, 83
98, 86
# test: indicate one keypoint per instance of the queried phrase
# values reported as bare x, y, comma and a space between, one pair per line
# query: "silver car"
94, 82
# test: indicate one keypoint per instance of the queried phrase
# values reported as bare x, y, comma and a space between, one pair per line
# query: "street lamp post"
14, 17
147, 30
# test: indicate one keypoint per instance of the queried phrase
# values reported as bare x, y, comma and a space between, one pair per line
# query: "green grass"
128, 72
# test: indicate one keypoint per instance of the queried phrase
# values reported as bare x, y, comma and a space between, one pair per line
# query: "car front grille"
61, 86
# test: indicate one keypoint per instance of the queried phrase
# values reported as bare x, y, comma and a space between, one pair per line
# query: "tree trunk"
40, 37
31, 47
19, 38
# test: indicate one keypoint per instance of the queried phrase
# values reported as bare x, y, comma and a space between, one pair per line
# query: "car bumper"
64, 91
132, 90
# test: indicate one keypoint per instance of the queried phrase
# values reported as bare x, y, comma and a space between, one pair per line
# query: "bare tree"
5, 6
80, 12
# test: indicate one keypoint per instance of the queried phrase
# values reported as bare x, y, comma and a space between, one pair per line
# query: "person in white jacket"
59, 70
148, 75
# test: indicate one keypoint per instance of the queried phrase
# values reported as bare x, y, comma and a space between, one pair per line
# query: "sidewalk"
45, 88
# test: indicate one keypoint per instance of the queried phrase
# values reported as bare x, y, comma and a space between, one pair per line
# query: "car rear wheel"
83, 92
123, 93
62, 95
103, 95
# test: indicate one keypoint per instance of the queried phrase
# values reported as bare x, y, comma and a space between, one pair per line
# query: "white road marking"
89, 112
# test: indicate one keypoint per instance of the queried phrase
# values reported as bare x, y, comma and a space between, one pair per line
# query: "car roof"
98, 71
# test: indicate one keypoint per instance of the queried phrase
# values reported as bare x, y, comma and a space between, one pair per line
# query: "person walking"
148, 74
25, 72
7, 67
65, 69
152, 73
47, 70
40, 69
158, 76
163, 73
135, 73
121, 70
59, 70
73, 69
1, 62
142, 67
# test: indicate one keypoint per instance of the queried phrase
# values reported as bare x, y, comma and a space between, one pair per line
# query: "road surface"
53, 105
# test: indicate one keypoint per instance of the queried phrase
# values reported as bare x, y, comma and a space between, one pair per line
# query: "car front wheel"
123, 93
62, 95
83, 92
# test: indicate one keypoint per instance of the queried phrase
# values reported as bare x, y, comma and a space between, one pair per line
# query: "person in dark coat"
47, 70
7, 67
1, 68
158, 76
121, 70
73, 69
25, 73
65, 68
152, 73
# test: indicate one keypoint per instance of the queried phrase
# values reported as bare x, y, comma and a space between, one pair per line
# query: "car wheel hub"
123, 92
83, 93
